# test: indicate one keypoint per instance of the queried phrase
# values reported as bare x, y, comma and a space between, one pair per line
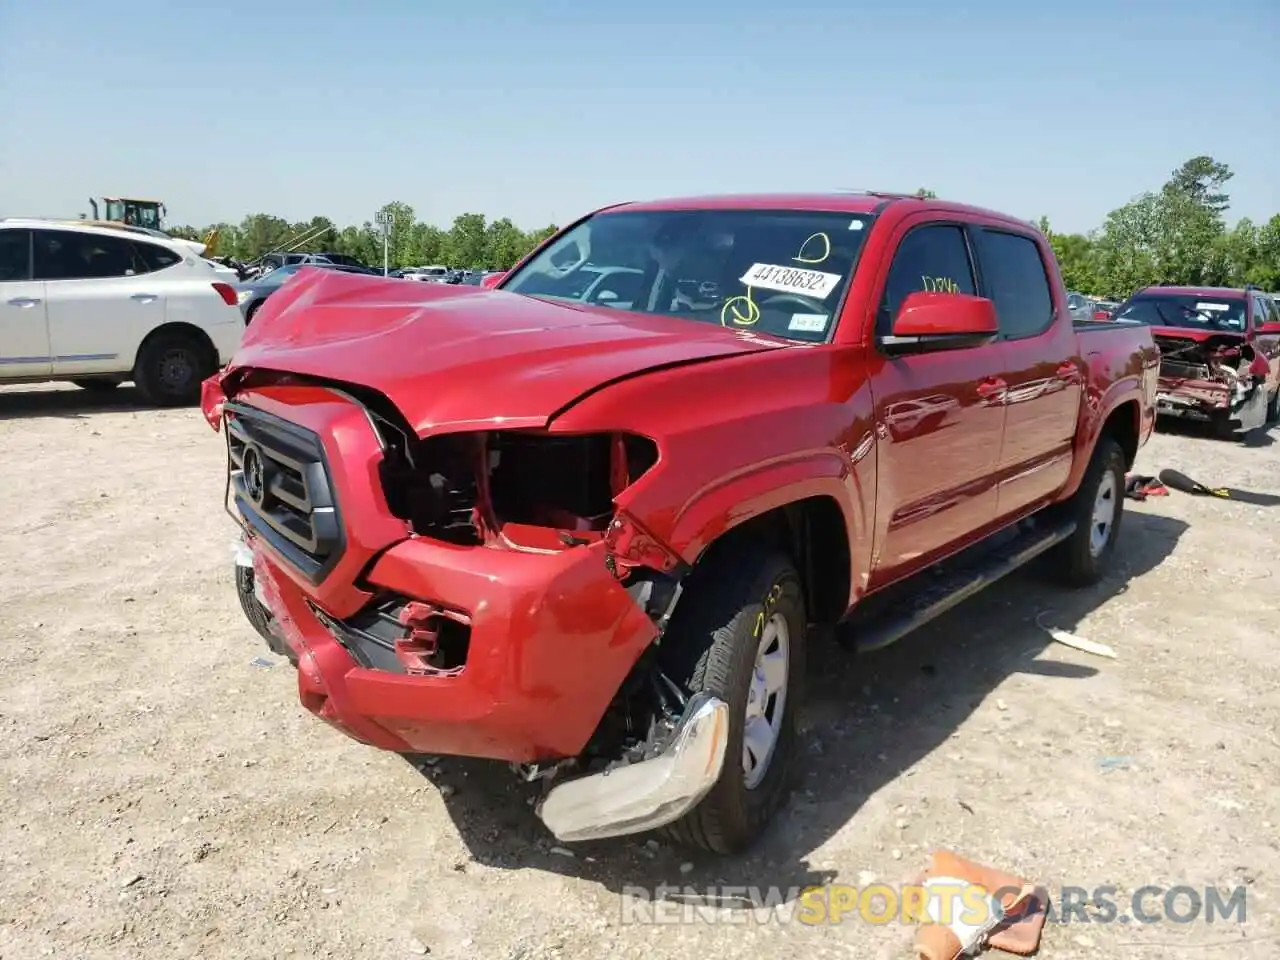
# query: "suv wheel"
170, 369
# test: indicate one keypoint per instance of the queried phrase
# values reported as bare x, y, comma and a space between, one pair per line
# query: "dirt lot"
165, 796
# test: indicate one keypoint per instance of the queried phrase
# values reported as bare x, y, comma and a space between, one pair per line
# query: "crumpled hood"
458, 357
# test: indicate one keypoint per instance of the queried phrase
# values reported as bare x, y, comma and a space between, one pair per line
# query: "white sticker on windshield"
808, 322
1215, 307
809, 283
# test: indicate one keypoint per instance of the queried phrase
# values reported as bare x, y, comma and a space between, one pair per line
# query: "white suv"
99, 306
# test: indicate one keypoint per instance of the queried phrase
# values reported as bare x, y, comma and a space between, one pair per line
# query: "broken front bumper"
552, 636
1207, 400
649, 794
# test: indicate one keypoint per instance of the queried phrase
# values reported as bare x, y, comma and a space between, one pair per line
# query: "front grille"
279, 484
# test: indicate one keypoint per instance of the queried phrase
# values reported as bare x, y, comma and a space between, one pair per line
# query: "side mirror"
941, 321
489, 281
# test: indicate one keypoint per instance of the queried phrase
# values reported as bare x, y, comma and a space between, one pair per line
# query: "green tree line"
471, 242
1177, 234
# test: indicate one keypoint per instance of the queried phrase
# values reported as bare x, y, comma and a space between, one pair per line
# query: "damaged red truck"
1220, 353
586, 522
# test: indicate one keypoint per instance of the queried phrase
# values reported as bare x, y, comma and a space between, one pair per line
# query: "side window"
15, 255
157, 257
1273, 310
65, 255
1263, 309
1015, 279
929, 259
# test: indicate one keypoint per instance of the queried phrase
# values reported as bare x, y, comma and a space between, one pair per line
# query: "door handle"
991, 387
24, 302
143, 297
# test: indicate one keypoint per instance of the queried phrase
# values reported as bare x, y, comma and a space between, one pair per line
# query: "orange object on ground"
1025, 905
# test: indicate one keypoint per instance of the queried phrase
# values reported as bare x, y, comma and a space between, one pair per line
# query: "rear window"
157, 257
1184, 310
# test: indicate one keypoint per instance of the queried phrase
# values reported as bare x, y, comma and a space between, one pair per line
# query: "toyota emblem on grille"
255, 481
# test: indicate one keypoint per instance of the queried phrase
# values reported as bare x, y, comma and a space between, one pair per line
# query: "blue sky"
543, 110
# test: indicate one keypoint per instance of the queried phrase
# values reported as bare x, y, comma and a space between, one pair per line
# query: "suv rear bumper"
552, 637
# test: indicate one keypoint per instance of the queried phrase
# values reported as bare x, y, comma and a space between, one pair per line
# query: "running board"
930, 597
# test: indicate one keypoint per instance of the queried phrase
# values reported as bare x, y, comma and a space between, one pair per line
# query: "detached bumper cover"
552, 638
648, 794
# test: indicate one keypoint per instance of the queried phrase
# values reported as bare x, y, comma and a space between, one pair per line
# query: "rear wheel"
739, 635
1097, 508
170, 369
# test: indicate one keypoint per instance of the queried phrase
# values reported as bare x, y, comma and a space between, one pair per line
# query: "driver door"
939, 416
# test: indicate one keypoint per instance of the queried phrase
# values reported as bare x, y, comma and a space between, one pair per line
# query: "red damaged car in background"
1220, 353
586, 522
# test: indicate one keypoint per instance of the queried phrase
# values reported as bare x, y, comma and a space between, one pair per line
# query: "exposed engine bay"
530, 490
519, 489
1199, 377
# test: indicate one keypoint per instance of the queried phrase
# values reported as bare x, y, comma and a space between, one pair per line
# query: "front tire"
739, 634
170, 369
259, 617
1097, 507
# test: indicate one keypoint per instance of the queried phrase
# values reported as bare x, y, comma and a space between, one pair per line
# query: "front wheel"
739, 634
1097, 508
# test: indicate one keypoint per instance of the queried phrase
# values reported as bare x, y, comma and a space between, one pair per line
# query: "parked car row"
1090, 308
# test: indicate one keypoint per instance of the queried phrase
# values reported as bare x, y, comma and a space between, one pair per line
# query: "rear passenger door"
102, 299
1041, 367
24, 330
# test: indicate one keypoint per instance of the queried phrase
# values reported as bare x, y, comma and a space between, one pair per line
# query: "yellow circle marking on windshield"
820, 238
733, 306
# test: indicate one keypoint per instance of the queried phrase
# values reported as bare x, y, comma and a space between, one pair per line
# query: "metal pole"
386, 234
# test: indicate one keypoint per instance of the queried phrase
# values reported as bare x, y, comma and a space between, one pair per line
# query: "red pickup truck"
584, 522
1220, 353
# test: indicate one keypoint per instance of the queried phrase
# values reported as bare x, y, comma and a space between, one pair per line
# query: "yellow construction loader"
140, 214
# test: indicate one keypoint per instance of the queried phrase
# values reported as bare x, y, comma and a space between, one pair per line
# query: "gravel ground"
165, 796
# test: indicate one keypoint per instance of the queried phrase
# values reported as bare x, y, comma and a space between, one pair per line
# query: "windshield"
780, 272
1177, 310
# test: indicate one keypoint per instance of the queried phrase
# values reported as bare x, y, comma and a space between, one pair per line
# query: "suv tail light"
227, 293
